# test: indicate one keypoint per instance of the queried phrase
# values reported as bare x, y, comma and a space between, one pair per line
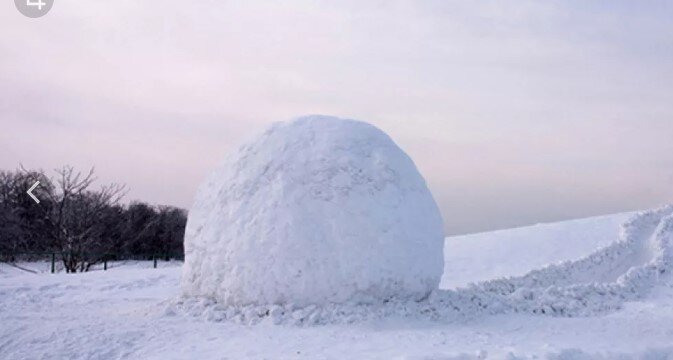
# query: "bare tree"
75, 215
83, 225
21, 221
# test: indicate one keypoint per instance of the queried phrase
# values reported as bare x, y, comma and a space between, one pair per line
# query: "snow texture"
316, 211
129, 311
596, 284
478, 257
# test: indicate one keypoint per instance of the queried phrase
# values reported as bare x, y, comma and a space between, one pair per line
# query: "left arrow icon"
29, 192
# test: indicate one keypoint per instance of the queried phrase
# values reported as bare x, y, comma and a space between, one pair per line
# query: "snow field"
123, 313
597, 283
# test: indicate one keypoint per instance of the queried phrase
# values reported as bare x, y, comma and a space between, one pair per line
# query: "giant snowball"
316, 210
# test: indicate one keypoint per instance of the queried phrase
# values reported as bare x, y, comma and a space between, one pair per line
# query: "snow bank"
534, 246
314, 211
598, 283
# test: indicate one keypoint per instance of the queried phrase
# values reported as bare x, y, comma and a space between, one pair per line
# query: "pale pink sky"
515, 112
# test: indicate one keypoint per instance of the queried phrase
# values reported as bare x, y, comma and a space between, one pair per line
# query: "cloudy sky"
516, 112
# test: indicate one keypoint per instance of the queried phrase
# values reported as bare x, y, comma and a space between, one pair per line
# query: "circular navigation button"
34, 8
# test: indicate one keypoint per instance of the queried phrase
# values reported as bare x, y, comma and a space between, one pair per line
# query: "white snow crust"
132, 311
475, 258
315, 211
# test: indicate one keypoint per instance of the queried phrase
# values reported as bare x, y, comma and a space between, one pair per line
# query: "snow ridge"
596, 284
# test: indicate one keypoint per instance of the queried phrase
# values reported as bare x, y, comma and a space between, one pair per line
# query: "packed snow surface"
130, 311
475, 258
318, 210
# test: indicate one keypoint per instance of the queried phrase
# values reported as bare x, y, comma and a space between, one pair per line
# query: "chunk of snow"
316, 210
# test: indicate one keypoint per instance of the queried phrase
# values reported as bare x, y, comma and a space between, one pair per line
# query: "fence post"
154, 257
105, 263
53, 263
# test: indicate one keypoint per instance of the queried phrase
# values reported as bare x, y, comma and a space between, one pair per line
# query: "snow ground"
479, 257
126, 312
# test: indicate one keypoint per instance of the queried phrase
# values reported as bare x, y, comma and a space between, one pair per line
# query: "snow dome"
315, 210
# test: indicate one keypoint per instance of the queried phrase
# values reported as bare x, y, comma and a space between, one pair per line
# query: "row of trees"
81, 224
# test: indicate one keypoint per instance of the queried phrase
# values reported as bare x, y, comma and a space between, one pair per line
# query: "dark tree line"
80, 223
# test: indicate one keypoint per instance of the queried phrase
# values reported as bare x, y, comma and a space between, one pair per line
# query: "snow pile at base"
596, 284
315, 211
